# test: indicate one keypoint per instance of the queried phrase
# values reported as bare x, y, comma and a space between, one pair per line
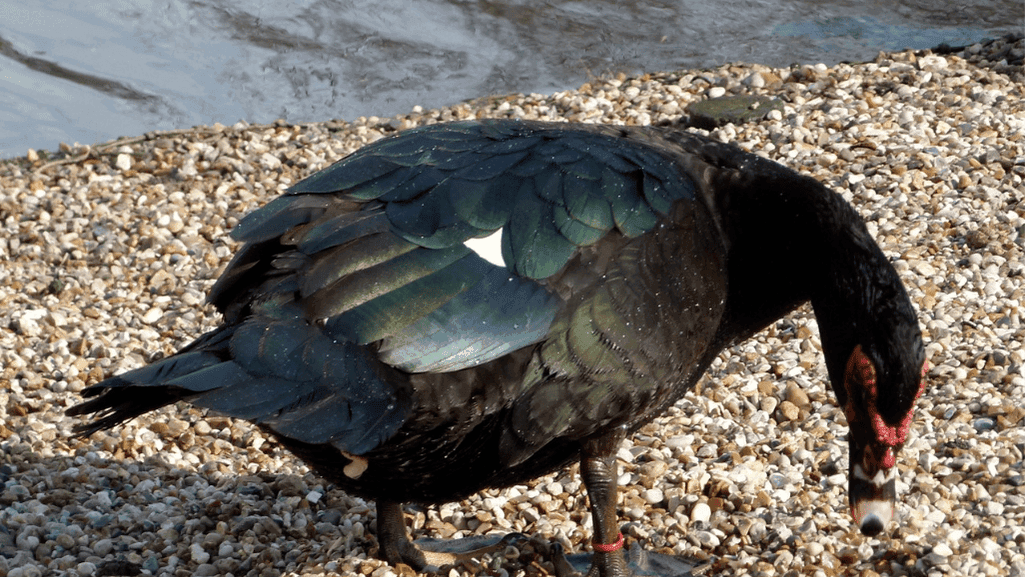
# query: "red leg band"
609, 548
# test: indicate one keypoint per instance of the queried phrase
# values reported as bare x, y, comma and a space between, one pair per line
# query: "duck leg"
598, 469
393, 541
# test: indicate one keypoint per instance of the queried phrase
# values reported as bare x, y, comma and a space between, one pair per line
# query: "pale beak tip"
872, 516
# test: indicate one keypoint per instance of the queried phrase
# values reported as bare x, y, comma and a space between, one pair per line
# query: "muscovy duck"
479, 303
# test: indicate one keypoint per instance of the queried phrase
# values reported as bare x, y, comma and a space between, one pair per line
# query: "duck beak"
873, 488
873, 445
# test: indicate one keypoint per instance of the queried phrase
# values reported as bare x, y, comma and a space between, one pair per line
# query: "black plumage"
364, 332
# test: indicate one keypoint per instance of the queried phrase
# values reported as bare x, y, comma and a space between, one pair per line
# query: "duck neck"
791, 240
786, 234
794, 241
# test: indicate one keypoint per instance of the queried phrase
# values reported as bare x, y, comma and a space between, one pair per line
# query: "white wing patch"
488, 248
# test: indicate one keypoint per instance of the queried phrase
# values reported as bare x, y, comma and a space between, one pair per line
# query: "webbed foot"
430, 554
639, 563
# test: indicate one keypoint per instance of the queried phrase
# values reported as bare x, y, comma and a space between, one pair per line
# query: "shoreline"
107, 255
998, 54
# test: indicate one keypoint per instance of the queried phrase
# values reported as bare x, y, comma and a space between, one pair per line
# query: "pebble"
701, 513
654, 496
105, 259
707, 539
198, 554
788, 411
795, 395
103, 547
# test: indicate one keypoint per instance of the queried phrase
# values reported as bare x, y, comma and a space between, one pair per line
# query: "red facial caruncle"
861, 372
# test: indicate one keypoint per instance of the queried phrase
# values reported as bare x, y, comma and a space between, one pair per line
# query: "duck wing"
368, 272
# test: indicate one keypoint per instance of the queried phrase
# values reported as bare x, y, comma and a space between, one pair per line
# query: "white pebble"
654, 496
755, 80
707, 539
269, 161
198, 554
700, 513
152, 315
994, 508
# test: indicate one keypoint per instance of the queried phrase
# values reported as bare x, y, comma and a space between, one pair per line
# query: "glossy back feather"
367, 266
377, 242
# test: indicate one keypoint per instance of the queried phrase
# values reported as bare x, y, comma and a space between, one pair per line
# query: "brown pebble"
788, 411
796, 395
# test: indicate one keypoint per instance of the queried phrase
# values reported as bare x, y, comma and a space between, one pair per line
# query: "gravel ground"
107, 253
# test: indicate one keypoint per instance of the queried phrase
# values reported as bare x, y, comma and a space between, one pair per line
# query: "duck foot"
640, 563
440, 553
443, 552
430, 555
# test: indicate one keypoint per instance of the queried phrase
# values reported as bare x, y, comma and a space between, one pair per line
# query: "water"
87, 72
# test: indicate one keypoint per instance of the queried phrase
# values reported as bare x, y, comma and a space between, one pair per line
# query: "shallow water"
92, 71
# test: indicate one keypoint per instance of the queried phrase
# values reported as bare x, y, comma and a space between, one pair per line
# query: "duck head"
876, 437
